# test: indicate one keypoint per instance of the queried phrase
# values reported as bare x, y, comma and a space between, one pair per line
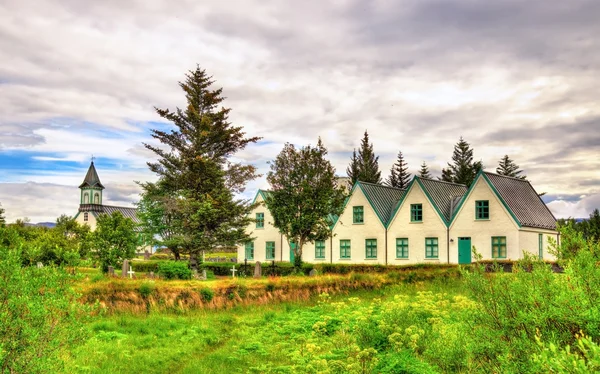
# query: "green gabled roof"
91, 178
444, 196
383, 199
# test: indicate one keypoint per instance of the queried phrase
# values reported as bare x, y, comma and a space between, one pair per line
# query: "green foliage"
399, 175
39, 316
174, 270
507, 167
365, 167
589, 228
463, 169
424, 171
193, 204
2, 219
206, 294
114, 240
583, 358
146, 289
146, 266
303, 195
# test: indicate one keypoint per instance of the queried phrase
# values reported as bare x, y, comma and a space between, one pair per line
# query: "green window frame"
270, 251
260, 220
358, 214
431, 248
416, 212
320, 249
371, 248
250, 251
345, 249
482, 209
498, 246
401, 247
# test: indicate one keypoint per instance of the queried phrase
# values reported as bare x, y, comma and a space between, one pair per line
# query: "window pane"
416, 212
358, 214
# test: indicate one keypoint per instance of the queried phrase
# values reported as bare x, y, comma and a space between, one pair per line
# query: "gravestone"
111, 271
257, 270
40, 265
195, 273
313, 273
204, 276
151, 275
125, 268
146, 255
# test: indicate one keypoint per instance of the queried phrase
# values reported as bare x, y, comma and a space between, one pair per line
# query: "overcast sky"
512, 77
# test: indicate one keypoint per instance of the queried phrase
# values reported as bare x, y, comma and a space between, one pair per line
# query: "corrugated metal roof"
91, 178
383, 199
125, 211
445, 195
523, 201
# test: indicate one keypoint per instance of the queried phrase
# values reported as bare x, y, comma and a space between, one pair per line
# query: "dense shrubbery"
39, 316
146, 266
174, 270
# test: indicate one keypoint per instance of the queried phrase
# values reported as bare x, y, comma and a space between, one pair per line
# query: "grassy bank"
273, 337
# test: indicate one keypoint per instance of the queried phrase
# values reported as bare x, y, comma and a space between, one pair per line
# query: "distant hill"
44, 224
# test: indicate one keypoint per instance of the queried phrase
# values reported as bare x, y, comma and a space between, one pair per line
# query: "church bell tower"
91, 191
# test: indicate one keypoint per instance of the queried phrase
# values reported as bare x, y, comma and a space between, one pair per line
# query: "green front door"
464, 250
292, 247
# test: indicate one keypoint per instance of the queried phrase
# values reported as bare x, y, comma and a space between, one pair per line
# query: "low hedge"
146, 266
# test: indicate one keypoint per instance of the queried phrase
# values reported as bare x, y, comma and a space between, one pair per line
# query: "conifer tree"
463, 169
2, 219
399, 175
368, 162
353, 169
507, 167
195, 172
424, 172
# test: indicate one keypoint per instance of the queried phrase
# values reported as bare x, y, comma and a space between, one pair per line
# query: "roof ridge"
122, 207
505, 176
439, 181
382, 185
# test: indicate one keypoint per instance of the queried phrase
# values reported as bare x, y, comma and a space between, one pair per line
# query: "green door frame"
464, 250
541, 246
292, 247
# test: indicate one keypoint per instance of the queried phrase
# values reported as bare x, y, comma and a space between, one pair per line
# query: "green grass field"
264, 338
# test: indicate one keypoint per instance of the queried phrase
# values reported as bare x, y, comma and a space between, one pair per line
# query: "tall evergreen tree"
424, 171
2, 219
353, 169
368, 162
195, 171
463, 169
507, 167
399, 175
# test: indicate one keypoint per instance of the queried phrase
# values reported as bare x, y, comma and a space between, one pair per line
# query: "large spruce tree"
424, 171
353, 169
399, 175
367, 162
304, 194
463, 169
196, 177
507, 167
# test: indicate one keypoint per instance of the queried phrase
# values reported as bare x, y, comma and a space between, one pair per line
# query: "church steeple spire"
91, 188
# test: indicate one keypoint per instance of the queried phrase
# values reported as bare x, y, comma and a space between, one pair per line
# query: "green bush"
161, 256
146, 289
174, 270
207, 294
145, 266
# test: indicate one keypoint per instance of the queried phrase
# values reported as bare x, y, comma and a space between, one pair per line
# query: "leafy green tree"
2, 219
114, 240
303, 195
463, 169
424, 171
40, 316
367, 164
590, 228
507, 167
353, 169
195, 170
399, 175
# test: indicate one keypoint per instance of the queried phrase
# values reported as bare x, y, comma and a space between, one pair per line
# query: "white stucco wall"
372, 228
529, 242
91, 222
263, 235
401, 227
481, 232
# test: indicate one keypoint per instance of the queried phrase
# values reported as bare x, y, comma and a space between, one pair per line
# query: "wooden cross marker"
130, 272
233, 270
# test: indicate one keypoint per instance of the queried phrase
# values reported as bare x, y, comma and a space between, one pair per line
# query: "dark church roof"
91, 178
126, 212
